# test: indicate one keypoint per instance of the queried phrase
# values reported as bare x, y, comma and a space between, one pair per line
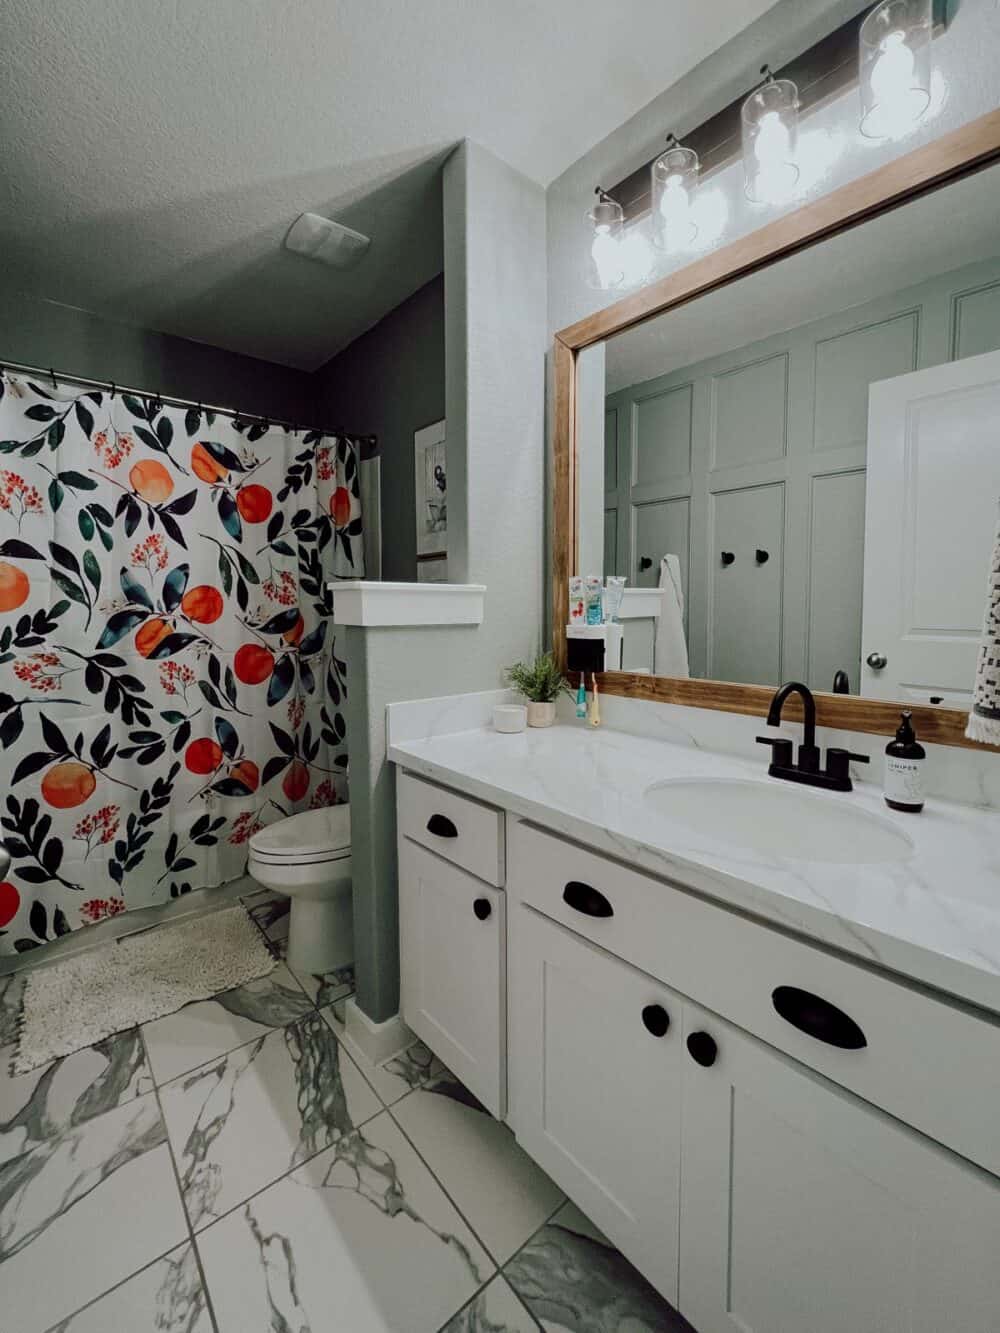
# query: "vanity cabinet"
805, 1208
597, 1069
453, 935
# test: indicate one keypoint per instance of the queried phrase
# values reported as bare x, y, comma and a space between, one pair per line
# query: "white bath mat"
118, 985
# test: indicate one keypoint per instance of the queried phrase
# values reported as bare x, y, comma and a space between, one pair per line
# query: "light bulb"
776, 173
606, 254
675, 205
897, 97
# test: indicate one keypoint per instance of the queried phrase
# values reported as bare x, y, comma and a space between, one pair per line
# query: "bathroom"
336, 382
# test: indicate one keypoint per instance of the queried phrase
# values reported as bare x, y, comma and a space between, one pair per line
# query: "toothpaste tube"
614, 591
577, 607
594, 598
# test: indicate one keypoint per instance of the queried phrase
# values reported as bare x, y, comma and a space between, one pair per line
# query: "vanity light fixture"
894, 67
770, 124
674, 177
605, 270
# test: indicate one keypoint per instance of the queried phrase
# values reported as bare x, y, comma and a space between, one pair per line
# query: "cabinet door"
804, 1208
595, 1085
452, 947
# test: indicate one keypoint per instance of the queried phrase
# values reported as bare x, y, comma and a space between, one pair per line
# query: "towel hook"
645, 562
762, 556
728, 557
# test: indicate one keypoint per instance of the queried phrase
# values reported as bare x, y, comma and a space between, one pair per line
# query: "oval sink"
779, 821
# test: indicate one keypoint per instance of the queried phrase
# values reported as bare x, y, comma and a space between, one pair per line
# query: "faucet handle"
838, 762
781, 750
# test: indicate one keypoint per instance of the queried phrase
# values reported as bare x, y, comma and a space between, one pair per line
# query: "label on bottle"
904, 780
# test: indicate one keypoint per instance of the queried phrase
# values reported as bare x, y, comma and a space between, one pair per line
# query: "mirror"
807, 461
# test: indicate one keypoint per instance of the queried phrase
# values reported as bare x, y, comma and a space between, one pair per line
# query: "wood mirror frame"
938, 163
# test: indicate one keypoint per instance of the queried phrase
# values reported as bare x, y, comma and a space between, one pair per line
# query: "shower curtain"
169, 680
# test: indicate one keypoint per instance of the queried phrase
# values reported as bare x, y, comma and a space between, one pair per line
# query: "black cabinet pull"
702, 1048
818, 1018
482, 908
656, 1019
583, 898
442, 827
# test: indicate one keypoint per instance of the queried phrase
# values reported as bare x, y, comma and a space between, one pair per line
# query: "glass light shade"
674, 177
770, 141
894, 57
605, 266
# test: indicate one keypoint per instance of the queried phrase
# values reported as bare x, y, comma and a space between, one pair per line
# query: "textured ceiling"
953, 227
156, 151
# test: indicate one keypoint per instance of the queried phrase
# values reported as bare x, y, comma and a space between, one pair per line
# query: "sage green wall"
77, 342
391, 379
765, 447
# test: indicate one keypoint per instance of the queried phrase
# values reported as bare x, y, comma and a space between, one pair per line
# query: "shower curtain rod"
113, 387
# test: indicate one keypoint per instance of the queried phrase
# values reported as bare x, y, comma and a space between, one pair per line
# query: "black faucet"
836, 776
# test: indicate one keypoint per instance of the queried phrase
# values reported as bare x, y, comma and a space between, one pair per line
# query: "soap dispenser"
903, 783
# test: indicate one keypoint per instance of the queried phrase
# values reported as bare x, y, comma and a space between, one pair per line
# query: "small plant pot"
541, 715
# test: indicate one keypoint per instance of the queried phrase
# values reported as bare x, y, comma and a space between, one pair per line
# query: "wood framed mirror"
726, 319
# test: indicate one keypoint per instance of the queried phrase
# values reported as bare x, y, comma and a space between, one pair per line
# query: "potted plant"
541, 682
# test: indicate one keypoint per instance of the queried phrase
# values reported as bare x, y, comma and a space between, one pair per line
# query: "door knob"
645, 562
877, 661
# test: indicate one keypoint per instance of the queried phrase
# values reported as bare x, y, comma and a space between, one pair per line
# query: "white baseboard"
378, 1041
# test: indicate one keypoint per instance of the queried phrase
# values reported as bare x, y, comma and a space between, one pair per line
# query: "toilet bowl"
307, 857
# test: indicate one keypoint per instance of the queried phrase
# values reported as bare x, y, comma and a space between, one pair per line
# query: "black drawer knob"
818, 1018
482, 908
586, 899
442, 827
656, 1019
702, 1048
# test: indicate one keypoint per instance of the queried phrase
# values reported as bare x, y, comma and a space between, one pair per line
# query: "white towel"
984, 719
670, 653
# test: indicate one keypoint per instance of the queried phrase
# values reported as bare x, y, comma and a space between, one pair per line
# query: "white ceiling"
156, 151
946, 230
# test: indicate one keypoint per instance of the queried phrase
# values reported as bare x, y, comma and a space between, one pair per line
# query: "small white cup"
510, 718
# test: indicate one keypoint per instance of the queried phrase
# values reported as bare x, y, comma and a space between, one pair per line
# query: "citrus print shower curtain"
169, 679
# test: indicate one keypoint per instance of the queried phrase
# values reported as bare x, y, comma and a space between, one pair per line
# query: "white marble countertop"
934, 917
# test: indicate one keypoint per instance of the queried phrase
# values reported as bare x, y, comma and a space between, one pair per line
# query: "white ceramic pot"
541, 715
510, 718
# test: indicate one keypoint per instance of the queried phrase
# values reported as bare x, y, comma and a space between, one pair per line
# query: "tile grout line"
177, 1181
53, 1328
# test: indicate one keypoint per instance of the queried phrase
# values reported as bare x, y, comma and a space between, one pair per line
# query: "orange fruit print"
247, 772
203, 756
202, 604
68, 784
151, 481
254, 503
204, 466
253, 664
295, 783
14, 587
150, 634
340, 506
294, 634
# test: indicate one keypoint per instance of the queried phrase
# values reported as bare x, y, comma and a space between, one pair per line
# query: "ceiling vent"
325, 241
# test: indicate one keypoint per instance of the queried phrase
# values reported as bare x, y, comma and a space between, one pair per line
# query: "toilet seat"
313, 837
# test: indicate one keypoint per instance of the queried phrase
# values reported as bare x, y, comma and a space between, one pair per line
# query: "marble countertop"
934, 917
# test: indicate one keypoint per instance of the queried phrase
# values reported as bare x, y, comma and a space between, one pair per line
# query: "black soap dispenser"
903, 783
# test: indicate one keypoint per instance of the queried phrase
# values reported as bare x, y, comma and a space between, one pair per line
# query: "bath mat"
118, 985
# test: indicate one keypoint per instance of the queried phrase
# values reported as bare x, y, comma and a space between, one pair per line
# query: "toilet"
308, 858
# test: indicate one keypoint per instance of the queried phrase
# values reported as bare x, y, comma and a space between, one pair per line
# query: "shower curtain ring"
112, 389
52, 377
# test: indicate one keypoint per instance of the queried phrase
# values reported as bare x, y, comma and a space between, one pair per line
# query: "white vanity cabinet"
453, 937
756, 1194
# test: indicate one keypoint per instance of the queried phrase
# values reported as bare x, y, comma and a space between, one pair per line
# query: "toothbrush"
581, 696
595, 706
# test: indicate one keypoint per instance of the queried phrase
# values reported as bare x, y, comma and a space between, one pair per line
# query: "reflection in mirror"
804, 466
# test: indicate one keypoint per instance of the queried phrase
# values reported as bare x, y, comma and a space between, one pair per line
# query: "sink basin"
779, 821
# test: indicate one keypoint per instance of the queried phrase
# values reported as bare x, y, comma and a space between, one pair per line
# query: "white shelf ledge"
641, 604
359, 602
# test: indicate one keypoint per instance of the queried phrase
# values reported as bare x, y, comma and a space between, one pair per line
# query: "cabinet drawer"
452, 937
456, 827
931, 1064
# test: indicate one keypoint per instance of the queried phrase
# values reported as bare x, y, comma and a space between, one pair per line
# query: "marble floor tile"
416, 1067
271, 914
166, 1297
83, 1211
503, 1195
209, 1028
495, 1310
62, 1095
241, 1121
573, 1280
325, 987
360, 1239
